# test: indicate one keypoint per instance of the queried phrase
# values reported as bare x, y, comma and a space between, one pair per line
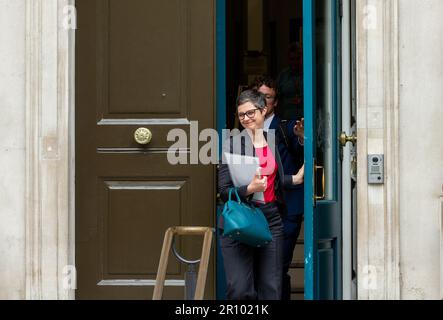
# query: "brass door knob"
343, 139
143, 136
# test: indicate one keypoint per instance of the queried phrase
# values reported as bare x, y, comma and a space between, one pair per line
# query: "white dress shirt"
267, 123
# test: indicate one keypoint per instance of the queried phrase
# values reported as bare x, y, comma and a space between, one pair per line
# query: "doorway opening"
265, 38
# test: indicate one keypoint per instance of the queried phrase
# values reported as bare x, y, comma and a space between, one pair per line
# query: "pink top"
269, 169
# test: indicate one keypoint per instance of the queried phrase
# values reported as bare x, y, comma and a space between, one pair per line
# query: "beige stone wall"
36, 90
400, 98
377, 123
421, 147
12, 149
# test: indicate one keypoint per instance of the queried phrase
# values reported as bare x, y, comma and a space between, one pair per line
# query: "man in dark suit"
289, 137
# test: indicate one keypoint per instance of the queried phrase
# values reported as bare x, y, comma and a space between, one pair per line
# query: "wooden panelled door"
140, 63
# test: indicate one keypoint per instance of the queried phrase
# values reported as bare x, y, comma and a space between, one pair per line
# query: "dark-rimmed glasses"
250, 114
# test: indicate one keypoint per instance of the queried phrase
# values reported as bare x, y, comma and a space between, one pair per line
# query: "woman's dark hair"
252, 96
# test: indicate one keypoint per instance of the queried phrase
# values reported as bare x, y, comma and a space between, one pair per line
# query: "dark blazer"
292, 162
242, 144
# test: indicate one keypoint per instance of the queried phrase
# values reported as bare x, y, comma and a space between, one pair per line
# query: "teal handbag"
245, 223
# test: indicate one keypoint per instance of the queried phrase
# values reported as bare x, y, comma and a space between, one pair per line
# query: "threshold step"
297, 290
297, 265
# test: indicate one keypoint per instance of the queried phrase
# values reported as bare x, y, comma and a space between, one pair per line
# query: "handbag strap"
251, 204
236, 193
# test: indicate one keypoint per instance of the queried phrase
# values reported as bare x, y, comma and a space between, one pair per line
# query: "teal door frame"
309, 80
221, 66
322, 223
221, 124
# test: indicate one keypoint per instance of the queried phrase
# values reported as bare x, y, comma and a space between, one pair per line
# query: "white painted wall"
12, 148
421, 146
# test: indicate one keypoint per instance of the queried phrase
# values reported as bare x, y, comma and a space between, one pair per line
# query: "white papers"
242, 170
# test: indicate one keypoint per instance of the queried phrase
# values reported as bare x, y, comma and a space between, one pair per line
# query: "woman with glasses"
255, 273
290, 136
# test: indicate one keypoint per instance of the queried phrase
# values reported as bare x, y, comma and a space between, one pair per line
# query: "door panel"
127, 212
322, 161
146, 64
159, 65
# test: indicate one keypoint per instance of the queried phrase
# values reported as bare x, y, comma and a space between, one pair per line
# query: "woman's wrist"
249, 190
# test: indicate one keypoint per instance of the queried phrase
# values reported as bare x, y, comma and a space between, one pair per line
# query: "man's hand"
299, 130
299, 177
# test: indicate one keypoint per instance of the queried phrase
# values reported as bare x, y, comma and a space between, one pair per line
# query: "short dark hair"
263, 81
252, 96
267, 81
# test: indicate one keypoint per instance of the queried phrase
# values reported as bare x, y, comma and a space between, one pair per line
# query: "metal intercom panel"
376, 169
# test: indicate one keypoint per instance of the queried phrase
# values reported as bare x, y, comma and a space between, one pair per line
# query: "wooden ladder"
204, 259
